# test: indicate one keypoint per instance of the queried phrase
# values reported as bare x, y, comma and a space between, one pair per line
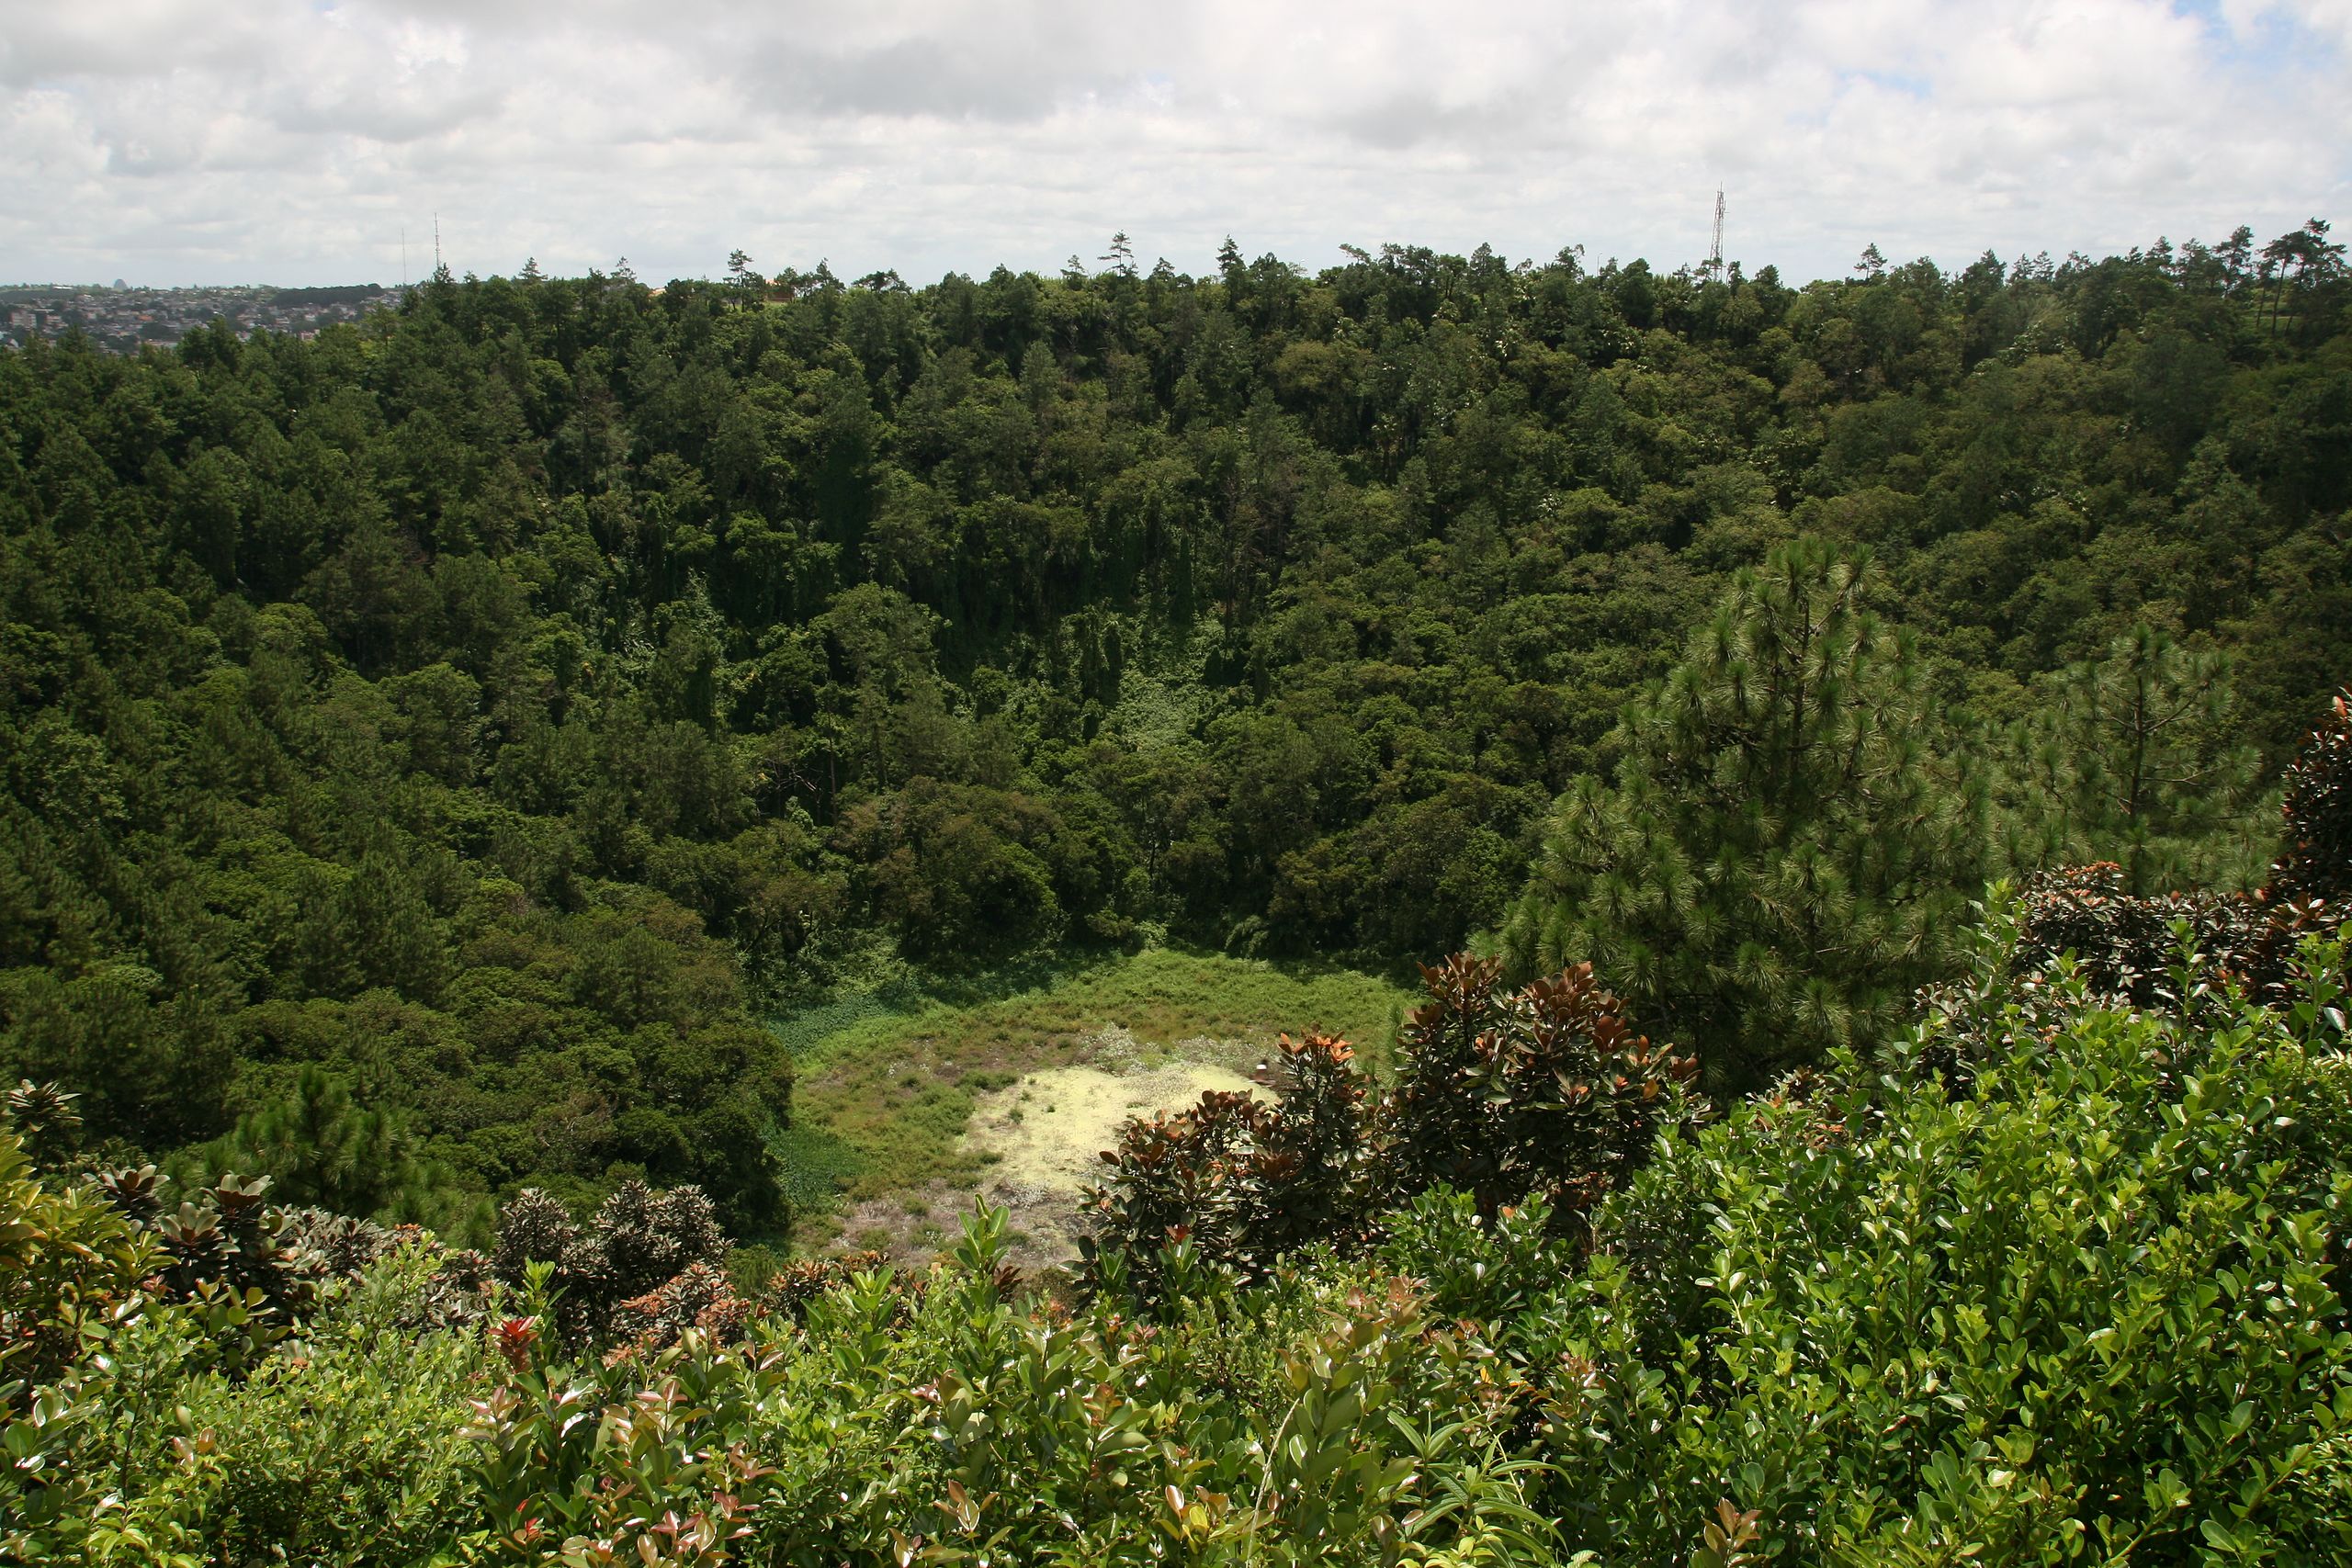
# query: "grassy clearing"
1041, 1138
887, 1085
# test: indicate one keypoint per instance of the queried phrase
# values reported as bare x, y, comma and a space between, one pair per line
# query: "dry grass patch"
886, 1094
1048, 1131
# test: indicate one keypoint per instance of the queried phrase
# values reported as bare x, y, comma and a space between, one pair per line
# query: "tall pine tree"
2138, 758
1791, 841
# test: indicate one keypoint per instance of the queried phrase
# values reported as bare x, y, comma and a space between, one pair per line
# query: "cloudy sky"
291, 141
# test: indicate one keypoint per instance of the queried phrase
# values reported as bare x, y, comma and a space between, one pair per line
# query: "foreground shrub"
2130, 945
2084, 1303
1509, 1095
961, 1424
344, 1445
2089, 1312
1543, 1089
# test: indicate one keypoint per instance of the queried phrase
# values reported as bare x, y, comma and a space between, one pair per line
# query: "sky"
293, 142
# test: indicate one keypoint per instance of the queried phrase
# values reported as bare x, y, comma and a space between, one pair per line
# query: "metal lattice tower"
1715, 248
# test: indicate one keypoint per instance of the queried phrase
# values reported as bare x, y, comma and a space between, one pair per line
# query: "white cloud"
167, 140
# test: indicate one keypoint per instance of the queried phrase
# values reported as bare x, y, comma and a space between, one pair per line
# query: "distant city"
124, 320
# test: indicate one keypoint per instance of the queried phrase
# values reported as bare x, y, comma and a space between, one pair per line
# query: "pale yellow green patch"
886, 1092
1048, 1131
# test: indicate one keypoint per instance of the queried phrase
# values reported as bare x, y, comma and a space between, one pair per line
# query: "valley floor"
909, 1102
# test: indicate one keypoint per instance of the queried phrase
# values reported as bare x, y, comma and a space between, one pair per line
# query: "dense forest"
494, 707
2052, 1274
433, 752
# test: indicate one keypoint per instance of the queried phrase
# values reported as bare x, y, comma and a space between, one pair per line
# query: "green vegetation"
1794, 834
499, 703
427, 753
882, 1099
2085, 1309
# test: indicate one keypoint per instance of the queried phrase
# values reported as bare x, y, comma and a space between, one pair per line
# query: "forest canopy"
481, 714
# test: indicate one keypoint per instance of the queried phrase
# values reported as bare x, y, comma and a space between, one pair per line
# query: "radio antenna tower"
403, 256
436, 233
1715, 248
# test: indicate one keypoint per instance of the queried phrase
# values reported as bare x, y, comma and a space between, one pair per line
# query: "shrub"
1233, 1181
347, 1446
640, 1241
1539, 1090
1508, 1094
2088, 1312
2128, 944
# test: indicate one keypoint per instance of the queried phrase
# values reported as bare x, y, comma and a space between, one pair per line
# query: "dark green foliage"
321, 1150
2317, 860
485, 702
2137, 758
1538, 1095
1791, 841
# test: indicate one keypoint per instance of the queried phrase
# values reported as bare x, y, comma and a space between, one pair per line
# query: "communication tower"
1715, 248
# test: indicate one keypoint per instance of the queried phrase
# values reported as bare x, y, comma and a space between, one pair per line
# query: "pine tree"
1791, 841
2137, 758
319, 1146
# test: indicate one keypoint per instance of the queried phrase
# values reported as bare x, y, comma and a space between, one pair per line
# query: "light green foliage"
70, 1266
2084, 1312
345, 1446
66, 1259
953, 1420
2089, 1313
